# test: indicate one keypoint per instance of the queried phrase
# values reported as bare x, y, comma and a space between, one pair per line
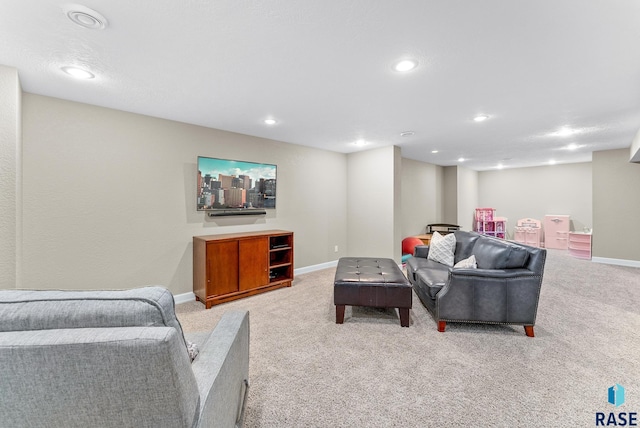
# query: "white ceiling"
323, 69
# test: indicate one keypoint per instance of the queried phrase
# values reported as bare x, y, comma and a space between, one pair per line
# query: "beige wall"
10, 177
467, 192
397, 204
450, 195
634, 151
421, 196
537, 191
460, 196
373, 216
109, 196
616, 206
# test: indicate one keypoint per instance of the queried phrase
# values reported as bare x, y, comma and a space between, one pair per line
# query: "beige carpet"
307, 371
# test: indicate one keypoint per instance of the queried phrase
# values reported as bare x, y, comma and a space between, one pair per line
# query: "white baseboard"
618, 262
184, 297
314, 268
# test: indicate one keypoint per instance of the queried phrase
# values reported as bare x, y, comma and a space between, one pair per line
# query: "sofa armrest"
421, 251
222, 371
496, 295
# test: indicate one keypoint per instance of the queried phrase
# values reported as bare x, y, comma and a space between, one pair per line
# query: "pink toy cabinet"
528, 231
556, 231
580, 244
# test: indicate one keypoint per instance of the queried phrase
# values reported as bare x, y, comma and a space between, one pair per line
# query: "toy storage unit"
556, 231
580, 244
528, 231
487, 223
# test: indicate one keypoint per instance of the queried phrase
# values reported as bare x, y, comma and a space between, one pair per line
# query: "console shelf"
235, 265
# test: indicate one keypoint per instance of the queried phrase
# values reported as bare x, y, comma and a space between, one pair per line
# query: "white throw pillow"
193, 350
468, 263
441, 248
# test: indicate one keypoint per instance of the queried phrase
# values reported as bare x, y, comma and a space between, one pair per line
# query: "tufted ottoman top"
369, 270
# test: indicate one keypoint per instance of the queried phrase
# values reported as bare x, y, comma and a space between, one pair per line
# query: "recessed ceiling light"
78, 73
405, 65
572, 146
565, 132
360, 143
270, 121
85, 17
500, 166
434, 151
481, 118
460, 159
407, 134
552, 162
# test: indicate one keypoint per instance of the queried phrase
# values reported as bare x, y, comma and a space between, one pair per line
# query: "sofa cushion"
61, 309
416, 263
97, 377
468, 263
441, 248
464, 244
496, 254
433, 279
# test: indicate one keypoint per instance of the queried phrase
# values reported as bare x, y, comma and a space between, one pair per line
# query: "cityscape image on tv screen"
225, 184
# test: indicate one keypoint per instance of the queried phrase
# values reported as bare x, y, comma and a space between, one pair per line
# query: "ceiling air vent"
85, 17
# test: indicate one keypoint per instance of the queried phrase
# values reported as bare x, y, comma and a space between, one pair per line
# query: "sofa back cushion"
61, 309
464, 244
97, 377
496, 254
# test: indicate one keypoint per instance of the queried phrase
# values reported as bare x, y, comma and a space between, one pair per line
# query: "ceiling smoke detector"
85, 17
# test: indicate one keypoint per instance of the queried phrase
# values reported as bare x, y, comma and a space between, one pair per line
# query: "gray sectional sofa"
116, 359
503, 289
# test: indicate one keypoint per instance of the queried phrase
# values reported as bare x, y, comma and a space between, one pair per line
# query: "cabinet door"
222, 267
533, 237
254, 263
556, 231
519, 235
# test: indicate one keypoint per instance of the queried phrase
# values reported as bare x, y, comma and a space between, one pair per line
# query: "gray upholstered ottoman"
375, 282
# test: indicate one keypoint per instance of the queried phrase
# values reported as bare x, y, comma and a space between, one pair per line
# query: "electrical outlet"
335, 249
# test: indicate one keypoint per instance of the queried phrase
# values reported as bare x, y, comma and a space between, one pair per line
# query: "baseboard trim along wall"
184, 298
190, 297
314, 268
618, 262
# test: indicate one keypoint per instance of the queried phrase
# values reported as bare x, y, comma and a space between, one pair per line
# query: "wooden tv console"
235, 265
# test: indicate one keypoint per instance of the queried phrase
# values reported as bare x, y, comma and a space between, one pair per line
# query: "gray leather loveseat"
116, 359
503, 289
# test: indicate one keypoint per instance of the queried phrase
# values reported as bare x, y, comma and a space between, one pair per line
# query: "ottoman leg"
404, 317
339, 314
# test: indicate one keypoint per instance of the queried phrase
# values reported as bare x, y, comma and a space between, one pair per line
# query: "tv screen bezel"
245, 167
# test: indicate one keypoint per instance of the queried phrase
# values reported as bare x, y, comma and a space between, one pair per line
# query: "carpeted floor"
307, 371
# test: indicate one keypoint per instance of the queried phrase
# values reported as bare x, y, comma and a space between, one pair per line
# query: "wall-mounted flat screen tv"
232, 187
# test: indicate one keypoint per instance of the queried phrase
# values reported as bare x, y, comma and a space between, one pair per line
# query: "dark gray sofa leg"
528, 329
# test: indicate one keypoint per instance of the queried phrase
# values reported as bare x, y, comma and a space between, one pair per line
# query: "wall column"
10, 177
373, 203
